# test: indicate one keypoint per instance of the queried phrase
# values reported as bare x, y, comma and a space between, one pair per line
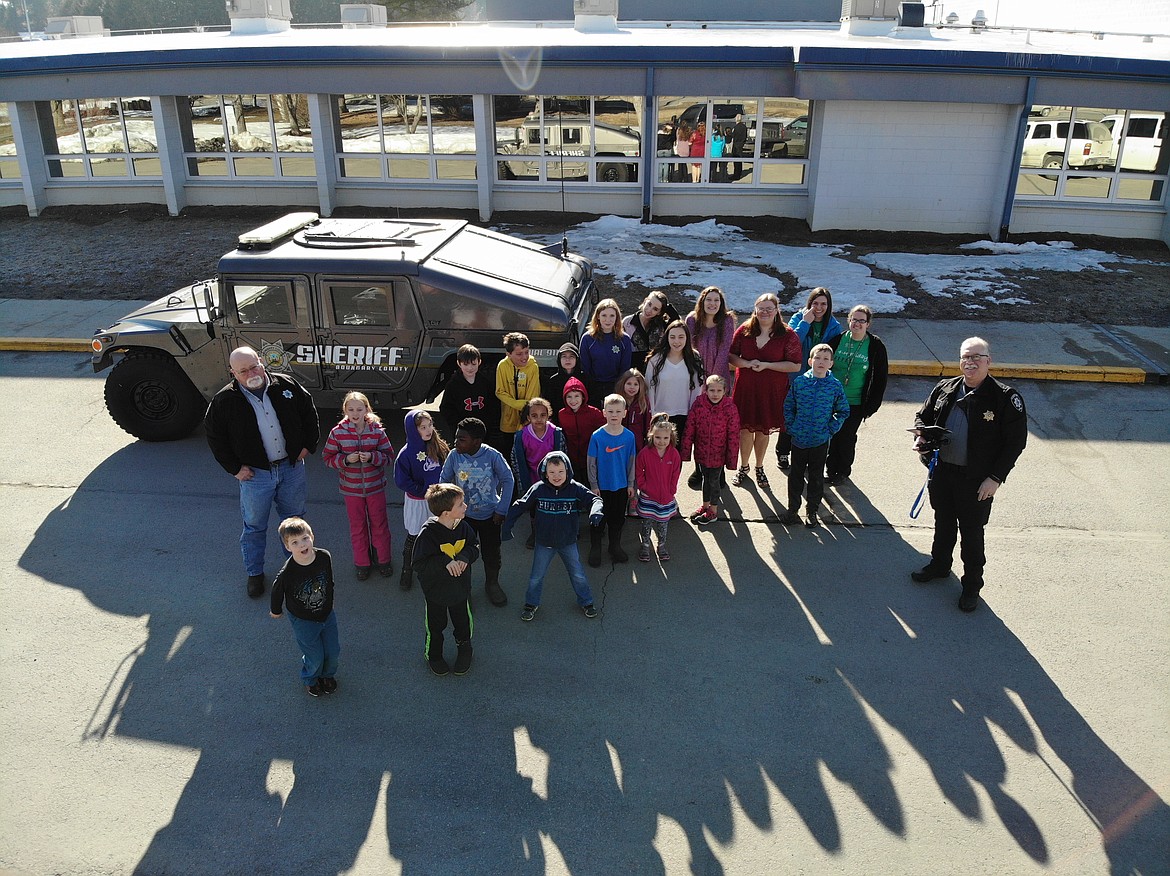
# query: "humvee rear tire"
150, 397
612, 173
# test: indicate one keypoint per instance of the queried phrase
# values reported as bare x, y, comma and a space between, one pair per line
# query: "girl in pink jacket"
713, 432
360, 451
656, 470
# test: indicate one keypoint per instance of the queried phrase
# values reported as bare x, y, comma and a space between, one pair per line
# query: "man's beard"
256, 381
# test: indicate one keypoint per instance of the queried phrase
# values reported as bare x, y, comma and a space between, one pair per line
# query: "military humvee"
376, 305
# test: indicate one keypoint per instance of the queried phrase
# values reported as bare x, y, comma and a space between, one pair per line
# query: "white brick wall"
897, 166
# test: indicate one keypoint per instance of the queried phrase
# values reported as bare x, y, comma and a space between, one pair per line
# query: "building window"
568, 138
9, 166
1094, 154
250, 136
747, 141
100, 138
406, 137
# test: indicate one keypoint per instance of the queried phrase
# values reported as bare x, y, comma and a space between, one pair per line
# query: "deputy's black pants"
958, 513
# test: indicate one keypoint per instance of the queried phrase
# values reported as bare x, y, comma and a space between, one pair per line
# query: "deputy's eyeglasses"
974, 357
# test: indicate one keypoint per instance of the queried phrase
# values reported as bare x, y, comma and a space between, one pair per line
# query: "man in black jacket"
988, 428
260, 427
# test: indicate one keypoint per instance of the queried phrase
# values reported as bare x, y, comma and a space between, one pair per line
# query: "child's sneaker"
327, 685
438, 666
708, 517
589, 611
529, 612
314, 689
386, 569
782, 461
463, 659
790, 518
361, 572
663, 554
644, 554
812, 520
697, 513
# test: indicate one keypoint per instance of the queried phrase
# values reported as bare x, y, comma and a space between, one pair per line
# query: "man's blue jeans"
286, 486
542, 556
319, 646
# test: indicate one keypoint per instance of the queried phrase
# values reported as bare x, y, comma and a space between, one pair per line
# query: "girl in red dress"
764, 352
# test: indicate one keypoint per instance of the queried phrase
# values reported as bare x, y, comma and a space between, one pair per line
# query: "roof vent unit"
259, 16
869, 17
593, 16
911, 15
70, 27
362, 15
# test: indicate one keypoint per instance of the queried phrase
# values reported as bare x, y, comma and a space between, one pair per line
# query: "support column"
170, 122
30, 154
485, 151
326, 144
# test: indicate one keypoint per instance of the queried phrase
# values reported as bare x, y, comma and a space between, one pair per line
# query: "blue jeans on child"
319, 646
284, 485
542, 556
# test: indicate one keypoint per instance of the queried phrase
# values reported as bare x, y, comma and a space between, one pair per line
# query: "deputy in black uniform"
988, 429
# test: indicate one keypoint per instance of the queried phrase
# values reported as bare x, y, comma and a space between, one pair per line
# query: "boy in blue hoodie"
814, 410
558, 501
486, 480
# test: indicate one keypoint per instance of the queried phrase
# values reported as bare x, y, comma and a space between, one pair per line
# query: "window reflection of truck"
781, 138
572, 138
1145, 133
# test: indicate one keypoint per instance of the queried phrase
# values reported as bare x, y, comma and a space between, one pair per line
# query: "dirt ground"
139, 252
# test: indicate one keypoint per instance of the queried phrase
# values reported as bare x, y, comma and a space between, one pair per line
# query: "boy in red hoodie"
579, 420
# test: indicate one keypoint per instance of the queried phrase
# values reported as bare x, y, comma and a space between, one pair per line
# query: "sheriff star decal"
1018, 403
452, 550
274, 356
421, 456
989, 415
287, 393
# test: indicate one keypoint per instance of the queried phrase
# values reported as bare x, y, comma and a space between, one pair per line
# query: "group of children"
458, 501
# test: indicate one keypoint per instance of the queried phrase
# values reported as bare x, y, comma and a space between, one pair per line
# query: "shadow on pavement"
610, 745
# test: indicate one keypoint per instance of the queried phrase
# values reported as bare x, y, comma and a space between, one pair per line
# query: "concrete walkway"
929, 348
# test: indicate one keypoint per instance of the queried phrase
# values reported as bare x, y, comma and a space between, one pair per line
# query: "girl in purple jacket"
418, 466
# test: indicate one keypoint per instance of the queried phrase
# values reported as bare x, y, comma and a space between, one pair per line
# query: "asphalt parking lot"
770, 701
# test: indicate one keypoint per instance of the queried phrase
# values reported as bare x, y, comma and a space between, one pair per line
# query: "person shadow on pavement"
774, 670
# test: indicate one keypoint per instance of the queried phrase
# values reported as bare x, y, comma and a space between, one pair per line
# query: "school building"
885, 120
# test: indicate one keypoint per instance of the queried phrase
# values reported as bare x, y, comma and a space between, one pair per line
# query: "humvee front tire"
150, 397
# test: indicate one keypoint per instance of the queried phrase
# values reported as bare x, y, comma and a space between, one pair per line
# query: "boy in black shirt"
305, 586
444, 550
471, 392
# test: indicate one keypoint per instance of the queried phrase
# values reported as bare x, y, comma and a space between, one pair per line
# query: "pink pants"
367, 521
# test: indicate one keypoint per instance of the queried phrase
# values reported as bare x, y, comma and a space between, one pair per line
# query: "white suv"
1091, 146
1144, 134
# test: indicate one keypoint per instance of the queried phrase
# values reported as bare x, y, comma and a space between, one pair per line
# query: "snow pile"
711, 253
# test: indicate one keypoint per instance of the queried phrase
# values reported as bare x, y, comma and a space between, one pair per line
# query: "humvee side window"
363, 305
265, 303
533, 136
571, 135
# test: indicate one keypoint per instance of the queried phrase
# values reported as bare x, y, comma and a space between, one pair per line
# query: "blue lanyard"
916, 508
